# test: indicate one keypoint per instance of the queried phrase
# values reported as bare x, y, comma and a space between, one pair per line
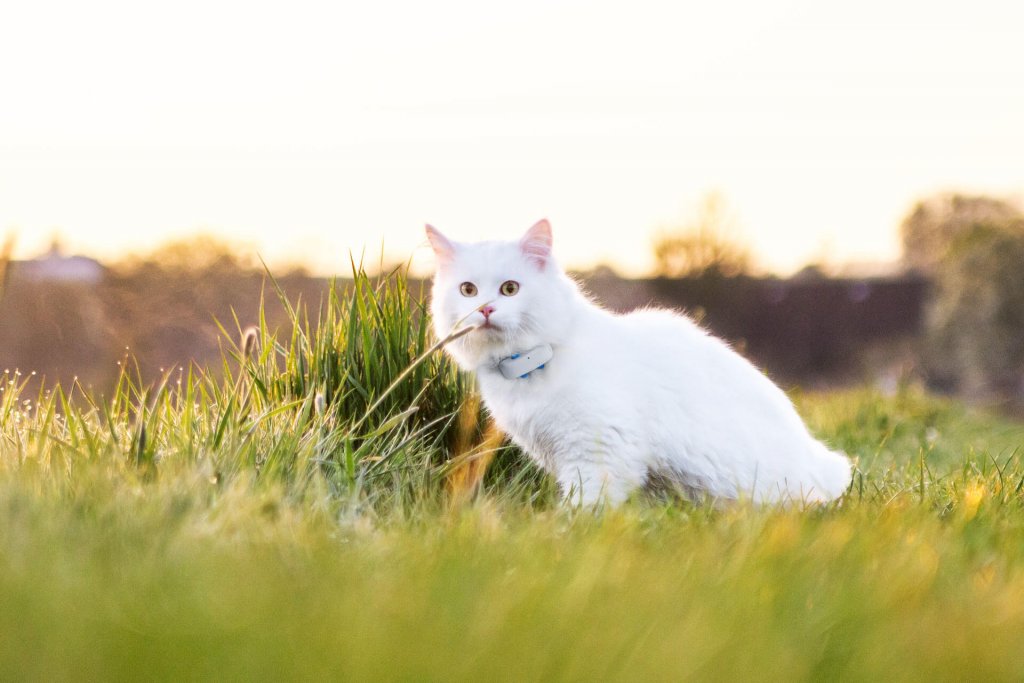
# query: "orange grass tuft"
470, 461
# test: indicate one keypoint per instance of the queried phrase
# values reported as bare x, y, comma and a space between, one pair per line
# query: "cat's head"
514, 293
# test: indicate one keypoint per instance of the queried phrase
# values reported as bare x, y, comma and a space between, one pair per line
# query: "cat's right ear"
444, 250
536, 243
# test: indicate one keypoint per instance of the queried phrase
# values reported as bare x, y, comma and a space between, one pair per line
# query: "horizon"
335, 129
421, 265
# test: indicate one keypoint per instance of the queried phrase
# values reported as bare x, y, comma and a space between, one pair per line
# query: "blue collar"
520, 365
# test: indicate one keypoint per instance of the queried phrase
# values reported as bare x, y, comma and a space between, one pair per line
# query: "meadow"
329, 503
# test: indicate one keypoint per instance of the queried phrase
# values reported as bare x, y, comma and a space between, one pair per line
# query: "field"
312, 509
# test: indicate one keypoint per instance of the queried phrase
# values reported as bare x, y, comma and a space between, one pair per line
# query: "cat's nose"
487, 310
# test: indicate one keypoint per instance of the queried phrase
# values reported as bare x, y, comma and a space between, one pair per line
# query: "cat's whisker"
528, 322
458, 331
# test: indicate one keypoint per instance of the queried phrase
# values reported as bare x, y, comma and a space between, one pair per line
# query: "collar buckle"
520, 365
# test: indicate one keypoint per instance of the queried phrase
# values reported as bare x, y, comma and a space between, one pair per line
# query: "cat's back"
658, 324
667, 356
655, 336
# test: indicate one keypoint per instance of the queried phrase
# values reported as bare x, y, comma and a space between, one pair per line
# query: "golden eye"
467, 289
509, 287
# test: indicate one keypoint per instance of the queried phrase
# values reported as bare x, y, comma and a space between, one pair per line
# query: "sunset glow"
331, 127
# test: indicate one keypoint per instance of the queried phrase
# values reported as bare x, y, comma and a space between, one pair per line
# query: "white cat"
604, 401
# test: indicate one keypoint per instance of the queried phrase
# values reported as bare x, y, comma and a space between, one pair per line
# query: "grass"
292, 517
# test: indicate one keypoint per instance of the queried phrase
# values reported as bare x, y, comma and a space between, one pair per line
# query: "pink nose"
487, 310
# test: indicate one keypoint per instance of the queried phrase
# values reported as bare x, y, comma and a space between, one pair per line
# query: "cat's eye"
509, 288
467, 289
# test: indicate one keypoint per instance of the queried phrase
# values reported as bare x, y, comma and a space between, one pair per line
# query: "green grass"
286, 518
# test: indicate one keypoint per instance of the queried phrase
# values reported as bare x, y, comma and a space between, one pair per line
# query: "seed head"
250, 341
319, 404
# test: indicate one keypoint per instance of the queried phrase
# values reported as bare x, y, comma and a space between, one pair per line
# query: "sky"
308, 130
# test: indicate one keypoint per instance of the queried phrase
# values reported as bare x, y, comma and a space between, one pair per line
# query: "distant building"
53, 266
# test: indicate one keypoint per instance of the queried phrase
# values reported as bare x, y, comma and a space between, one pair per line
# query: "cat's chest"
515, 394
515, 403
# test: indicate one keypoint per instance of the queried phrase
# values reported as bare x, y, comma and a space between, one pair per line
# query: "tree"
973, 250
976, 317
704, 248
937, 222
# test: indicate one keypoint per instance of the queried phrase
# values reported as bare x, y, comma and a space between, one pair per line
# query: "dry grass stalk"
470, 462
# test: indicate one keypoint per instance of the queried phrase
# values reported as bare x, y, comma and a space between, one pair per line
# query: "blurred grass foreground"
290, 514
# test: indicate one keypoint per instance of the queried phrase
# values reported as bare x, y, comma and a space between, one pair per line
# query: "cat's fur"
625, 398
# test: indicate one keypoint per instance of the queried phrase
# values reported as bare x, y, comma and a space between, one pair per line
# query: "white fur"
625, 397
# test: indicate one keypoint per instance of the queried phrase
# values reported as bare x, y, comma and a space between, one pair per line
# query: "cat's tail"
835, 472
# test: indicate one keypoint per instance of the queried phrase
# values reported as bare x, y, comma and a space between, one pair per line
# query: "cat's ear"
444, 250
536, 243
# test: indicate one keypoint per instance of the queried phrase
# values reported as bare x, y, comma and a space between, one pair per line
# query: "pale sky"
308, 129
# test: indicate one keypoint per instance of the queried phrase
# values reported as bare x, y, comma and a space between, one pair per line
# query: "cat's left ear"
444, 250
536, 243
